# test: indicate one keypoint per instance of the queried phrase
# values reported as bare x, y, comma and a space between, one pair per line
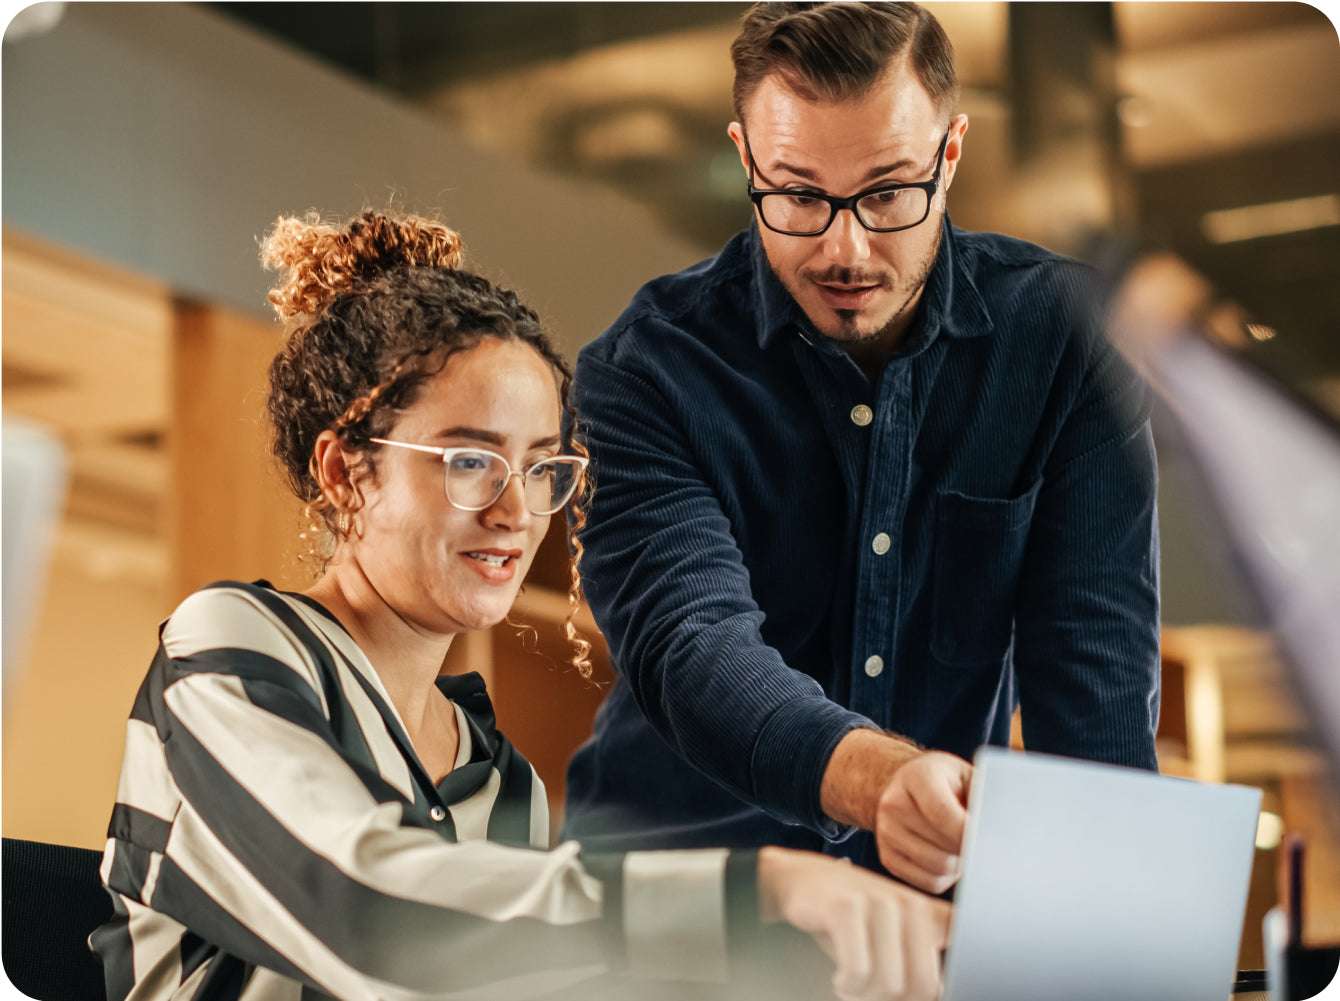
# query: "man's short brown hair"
836, 51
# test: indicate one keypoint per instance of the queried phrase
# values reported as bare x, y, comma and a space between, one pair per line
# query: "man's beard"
847, 331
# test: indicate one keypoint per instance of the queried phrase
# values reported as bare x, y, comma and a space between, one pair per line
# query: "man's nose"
846, 241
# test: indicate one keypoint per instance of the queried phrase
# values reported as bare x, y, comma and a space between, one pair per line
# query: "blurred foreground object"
1296, 972
1270, 459
35, 472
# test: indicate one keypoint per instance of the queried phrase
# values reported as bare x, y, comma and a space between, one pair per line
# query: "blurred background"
580, 149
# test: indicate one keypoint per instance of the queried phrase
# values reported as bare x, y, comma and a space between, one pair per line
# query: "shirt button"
874, 666
862, 415
439, 814
880, 543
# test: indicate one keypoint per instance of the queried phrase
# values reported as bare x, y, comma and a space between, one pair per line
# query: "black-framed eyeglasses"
886, 208
475, 477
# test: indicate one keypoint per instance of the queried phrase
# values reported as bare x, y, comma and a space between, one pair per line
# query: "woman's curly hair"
373, 309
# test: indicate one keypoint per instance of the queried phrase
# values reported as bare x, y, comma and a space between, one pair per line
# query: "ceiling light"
1271, 219
1134, 112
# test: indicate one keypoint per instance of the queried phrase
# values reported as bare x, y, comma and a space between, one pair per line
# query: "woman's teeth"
489, 558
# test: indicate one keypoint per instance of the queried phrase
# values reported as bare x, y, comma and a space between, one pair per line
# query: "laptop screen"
1097, 882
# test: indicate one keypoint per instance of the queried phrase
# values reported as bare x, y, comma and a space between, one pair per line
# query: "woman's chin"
486, 614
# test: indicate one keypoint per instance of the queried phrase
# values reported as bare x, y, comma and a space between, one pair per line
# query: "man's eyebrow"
873, 174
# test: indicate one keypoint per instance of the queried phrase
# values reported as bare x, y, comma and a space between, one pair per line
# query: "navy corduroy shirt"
779, 551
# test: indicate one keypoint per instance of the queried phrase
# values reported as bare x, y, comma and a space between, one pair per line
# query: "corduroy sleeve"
1087, 620
669, 588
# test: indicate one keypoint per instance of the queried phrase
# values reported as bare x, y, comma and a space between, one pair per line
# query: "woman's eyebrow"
475, 434
493, 437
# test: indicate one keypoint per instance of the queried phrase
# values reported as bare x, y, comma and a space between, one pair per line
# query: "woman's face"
436, 566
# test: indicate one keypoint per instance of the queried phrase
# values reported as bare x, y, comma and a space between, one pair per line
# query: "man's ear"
958, 126
736, 132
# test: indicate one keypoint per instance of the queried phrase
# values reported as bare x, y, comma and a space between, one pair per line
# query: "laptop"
1085, 882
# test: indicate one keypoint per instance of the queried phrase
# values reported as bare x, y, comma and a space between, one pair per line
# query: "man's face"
857, 287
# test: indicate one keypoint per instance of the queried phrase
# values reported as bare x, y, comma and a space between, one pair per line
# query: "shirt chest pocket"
979, 550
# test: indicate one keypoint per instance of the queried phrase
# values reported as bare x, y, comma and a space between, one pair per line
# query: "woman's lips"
496, 566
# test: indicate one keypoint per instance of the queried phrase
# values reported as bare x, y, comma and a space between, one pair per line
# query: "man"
864, 483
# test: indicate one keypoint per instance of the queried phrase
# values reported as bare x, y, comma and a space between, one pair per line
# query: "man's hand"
919, 820
884, 939
915, 802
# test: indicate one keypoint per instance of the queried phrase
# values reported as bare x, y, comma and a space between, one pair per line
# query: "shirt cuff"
791, 755
674, 914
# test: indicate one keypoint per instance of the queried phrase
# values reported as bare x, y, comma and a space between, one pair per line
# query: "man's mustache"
847, 276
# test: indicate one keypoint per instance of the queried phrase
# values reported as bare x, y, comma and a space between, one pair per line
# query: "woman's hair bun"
324, 262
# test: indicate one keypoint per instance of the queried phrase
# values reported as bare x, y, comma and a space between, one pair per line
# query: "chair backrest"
51, 898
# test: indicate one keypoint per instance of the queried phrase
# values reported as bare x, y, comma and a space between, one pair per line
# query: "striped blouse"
275, 835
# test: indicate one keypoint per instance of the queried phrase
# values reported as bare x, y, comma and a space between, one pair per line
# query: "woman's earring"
342, 522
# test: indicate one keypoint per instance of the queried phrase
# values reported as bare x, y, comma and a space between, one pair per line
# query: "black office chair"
52, 898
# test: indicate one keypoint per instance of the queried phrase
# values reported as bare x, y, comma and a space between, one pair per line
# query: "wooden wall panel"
85, 353
230, 514
65, 710
543, 705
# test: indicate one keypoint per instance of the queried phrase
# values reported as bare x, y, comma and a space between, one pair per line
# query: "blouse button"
881, 543
862, 415
438, 814
874, 666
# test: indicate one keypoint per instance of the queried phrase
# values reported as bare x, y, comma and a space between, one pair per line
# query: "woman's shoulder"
253, 632
234, 615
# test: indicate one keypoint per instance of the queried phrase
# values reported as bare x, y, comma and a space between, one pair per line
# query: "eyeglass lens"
801, 214
476, 479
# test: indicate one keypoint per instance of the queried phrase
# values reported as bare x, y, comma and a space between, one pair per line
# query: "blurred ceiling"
1226, 133
1220, 106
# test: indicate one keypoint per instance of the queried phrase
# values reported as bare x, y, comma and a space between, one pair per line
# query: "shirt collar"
950, 305
777, 312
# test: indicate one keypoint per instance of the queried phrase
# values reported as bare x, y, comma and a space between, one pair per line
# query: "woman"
306, 805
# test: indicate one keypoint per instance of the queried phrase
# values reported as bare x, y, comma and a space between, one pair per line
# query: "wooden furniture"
1230, 715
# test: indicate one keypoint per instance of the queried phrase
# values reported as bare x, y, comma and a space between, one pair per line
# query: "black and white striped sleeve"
246, 817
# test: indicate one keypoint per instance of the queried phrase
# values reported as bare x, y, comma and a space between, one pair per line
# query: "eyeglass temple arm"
431, 449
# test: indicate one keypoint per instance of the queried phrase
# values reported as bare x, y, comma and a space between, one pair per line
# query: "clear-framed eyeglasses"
475, 478
886, 208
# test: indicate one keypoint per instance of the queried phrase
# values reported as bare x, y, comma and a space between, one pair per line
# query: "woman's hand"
885, 938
